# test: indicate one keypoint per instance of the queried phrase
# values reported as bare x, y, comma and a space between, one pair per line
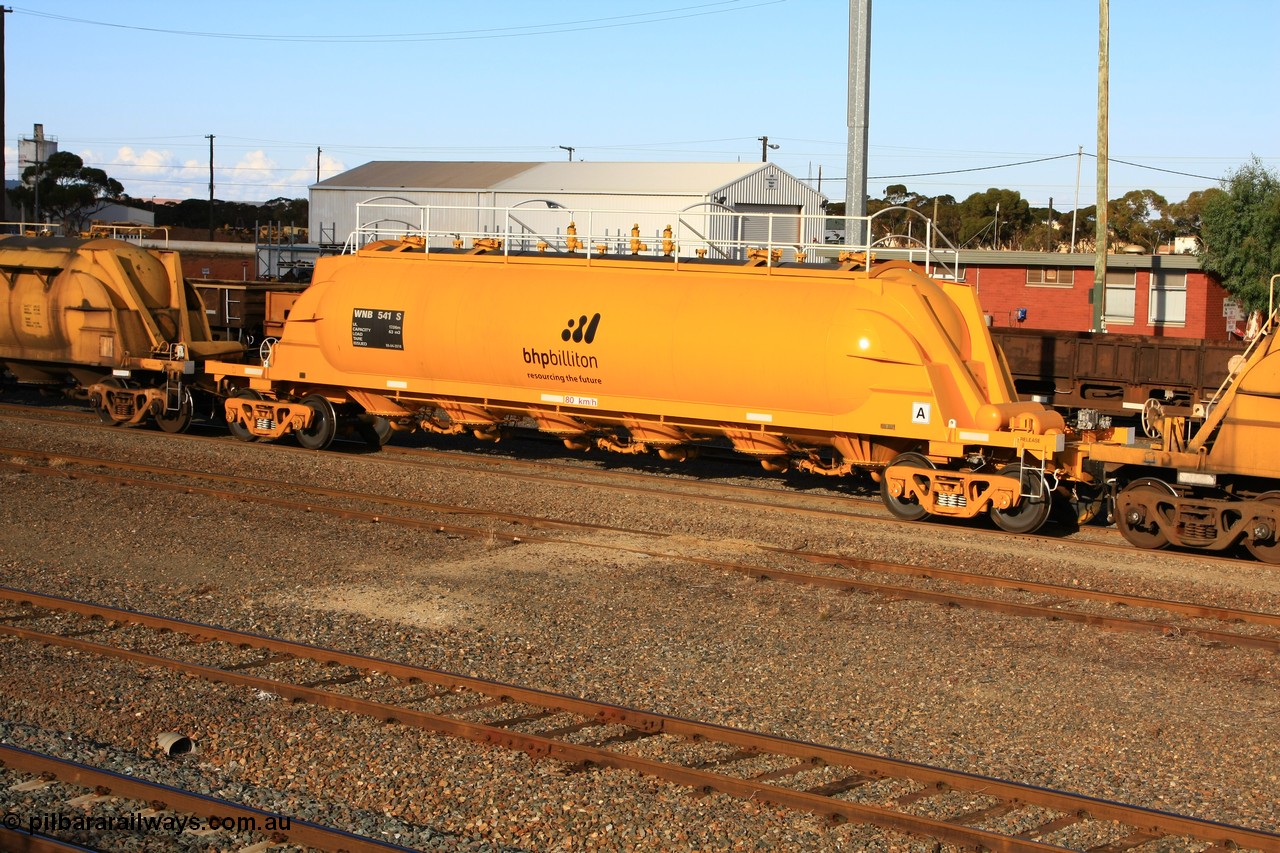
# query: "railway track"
1006, 595
156, 811
842, 785
865, 507
861, 502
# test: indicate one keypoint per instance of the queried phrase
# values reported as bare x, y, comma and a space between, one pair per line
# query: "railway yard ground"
1167, 720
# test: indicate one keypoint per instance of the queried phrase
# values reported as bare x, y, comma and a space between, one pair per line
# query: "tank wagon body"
108, 315
630, 355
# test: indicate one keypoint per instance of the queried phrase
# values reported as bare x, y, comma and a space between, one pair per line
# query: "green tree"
1240, 230
1139, 217
68, 189
1086, 227
893, 226
286, 210
1187, 215
980, 225
945, 214
1048, 229
237, 215
899, 225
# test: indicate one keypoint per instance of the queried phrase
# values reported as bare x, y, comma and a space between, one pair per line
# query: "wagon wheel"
181, 419
238, 429
1032, 510
1152, 417
1268, 549
1135, 506
324, 423
906, 508
100, 403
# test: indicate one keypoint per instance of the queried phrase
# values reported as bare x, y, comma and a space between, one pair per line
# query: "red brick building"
1161, 295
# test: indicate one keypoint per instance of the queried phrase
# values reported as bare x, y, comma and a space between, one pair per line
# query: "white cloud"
149, 162
252, 176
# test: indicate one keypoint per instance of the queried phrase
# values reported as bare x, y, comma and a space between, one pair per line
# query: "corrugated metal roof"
609, 177
419, 174
628, 178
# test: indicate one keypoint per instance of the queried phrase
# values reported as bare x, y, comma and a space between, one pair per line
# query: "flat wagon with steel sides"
1138, 376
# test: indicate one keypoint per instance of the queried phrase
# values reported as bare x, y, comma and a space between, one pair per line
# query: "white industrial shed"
553, 194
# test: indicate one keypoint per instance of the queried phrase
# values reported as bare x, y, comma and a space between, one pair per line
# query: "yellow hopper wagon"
106, 320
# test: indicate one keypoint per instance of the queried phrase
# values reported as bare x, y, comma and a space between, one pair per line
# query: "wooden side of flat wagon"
246, 311
1115, 374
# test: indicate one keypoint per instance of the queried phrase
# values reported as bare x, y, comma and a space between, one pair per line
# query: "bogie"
236, 423
1034, 506
902, 495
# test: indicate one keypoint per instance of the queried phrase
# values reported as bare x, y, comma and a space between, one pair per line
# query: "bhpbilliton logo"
581, 330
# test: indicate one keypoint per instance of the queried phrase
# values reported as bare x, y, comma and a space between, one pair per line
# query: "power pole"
317, 164
1076, 209
1048, 241
855, 181
764, 148
1100, 233
4, 196
570, 149
210, 138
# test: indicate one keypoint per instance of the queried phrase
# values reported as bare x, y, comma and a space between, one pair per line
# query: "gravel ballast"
1167, 722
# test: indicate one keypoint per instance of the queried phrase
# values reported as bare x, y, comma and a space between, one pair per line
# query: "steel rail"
175, 799
20, 842
768, 497
809, 755
537, 746
892, 591
1182, 608
725, 493
321, 491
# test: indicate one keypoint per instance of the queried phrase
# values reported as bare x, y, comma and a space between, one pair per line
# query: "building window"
1050, 277
1168, 305
1119, 301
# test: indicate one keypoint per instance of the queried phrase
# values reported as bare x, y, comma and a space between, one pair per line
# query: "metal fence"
704, 230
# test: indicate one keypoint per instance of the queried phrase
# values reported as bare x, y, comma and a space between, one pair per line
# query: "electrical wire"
833, 179
1155, 168
612, 22
974, 169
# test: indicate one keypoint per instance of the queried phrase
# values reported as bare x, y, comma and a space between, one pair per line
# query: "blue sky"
135, 86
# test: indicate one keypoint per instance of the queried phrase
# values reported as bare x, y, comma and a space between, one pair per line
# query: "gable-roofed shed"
747, 188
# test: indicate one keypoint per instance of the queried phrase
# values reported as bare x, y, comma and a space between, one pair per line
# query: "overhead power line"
1040, 160
974, 169
615, 21
1156, 168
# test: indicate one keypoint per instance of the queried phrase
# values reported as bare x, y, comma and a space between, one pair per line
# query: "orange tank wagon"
831, 368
